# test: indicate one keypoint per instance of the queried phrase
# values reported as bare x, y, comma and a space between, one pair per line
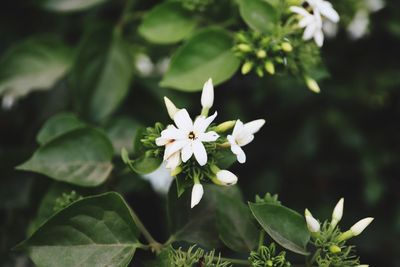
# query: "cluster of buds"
268, 257
191, 149
261, 53
330, 241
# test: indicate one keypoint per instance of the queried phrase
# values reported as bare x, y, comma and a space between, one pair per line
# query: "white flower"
188, 137
242, 135
358, 27
207, 95
226, 177
359, 227
197, 194
312, 20
337, 213
312, 223
312, 24
144, 65
171, 108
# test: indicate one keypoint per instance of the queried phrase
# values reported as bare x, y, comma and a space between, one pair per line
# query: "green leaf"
258, 14
144, 164
58, 125
285, 226
95, 231
35, 64
235, 224
197, 225
207, 54
69, 5
122, 132
102, 74
81, 157
167, 23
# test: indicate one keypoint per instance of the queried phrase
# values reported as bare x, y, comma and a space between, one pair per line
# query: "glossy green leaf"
235, 224
287, 227
81, 157
35, 64
102, 74
58, 125
69, 5
167, 23
143, 164
95, 231
258, 14
206, 54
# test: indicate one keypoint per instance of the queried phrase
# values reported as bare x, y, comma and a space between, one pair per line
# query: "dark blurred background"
314, 149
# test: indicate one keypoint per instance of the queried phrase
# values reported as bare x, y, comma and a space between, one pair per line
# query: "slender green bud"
312, 84
225, 126
246, 68
176, 171
244, 48
261, 54
346, 235
260, 72
287, 47
270, 67
335, 249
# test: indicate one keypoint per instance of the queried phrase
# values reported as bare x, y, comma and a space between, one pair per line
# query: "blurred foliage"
314, 149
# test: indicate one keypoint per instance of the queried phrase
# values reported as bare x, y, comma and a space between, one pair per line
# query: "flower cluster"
313, 14
330, 242
193, 147
195, 257
267, 256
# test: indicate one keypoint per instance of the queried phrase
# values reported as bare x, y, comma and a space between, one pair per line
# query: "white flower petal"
171, 108
173, 133
201, 123
299, 10
238, 151
226, 177
312, 224
306, 21
360, 226
208, 137
326, 9
174, 161
187, 152
319, 38
197, 194
174, 147
309, 31
200, 152
238, 127
254, 126
243, 137
183, 120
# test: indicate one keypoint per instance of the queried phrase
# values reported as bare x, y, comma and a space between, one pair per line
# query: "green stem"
261, 238
153, 244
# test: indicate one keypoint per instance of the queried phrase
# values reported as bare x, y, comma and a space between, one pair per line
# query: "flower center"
192, 136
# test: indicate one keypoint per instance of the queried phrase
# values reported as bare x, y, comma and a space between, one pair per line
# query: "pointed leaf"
258, 14
167, 23
285, 226
207, 54
95, 231
81, 157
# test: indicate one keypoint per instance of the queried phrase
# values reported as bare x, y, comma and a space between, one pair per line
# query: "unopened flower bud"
312, 224
287, 47
363, 265
244, 48
335, 249
225, 126
360, 226
270, 67
226, 177
312, 84
337, 213
176, 171
207, 95
246, 68
261, 54
171, 108
197, 194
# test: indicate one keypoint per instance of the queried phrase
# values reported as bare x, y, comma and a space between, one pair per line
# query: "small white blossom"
171, 108
360, 226
242, 135
144, 65
312, 20
197, 194
160, 179
226, 177
207, 95
312, 223
187, 137
337, 212
358, 27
